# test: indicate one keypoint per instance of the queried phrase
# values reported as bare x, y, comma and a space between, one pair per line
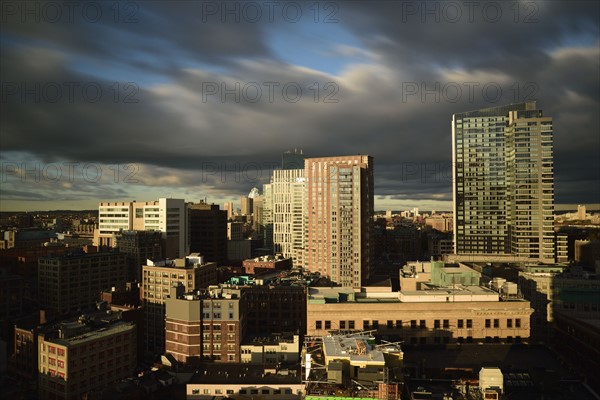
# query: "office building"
228, 206
339, 206
503, 182
158, 278
245, 205
208, 232
73, 282
287, 213
267, 216
169, 216
433, 316
235, 231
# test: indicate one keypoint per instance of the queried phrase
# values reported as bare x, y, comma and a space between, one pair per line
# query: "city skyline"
387, 81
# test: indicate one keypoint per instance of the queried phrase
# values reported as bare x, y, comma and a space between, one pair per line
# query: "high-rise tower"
503, 182
339, 209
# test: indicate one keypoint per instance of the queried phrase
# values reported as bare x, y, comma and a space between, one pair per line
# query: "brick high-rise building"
339, 208
212, 324
158, 278
205, 325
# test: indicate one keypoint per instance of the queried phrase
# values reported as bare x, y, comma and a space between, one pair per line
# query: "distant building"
235, 231
169, 216
83, 356
158, 278
339, 226
587, 252
270, 349
139, 247
440, 245
288, 213
73, 282
25, 238
260, 264
12, 291
581, 212
440, 222
292, 160
267, 217
245, 205
228, 206
208, 232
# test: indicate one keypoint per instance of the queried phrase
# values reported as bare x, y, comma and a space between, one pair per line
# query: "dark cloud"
179, 125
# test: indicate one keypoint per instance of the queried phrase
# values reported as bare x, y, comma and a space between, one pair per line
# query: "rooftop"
356, 348
245, 374
75, 332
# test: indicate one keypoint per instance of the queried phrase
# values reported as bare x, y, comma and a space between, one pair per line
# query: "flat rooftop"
355, 348
244, 374
95, 334
432, 294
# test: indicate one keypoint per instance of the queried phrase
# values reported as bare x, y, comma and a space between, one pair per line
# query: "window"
469, 323
375, 324
460, 323
413, 323
422, 324
327, 324
488, 323
342, 324
398, 323
436, 324
366, 325
509, 323
518, 322
496, 323
350, 324
318, 325
446, 323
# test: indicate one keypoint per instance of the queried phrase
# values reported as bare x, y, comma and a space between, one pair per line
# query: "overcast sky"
139, 100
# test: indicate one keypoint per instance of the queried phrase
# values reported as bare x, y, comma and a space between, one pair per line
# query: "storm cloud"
201, 98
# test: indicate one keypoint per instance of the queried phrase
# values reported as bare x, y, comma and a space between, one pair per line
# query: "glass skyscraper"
503, 182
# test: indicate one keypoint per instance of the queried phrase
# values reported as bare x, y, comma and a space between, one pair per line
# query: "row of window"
398, 324
244, 391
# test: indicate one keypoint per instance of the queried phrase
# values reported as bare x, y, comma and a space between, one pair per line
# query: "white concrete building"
168, 216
